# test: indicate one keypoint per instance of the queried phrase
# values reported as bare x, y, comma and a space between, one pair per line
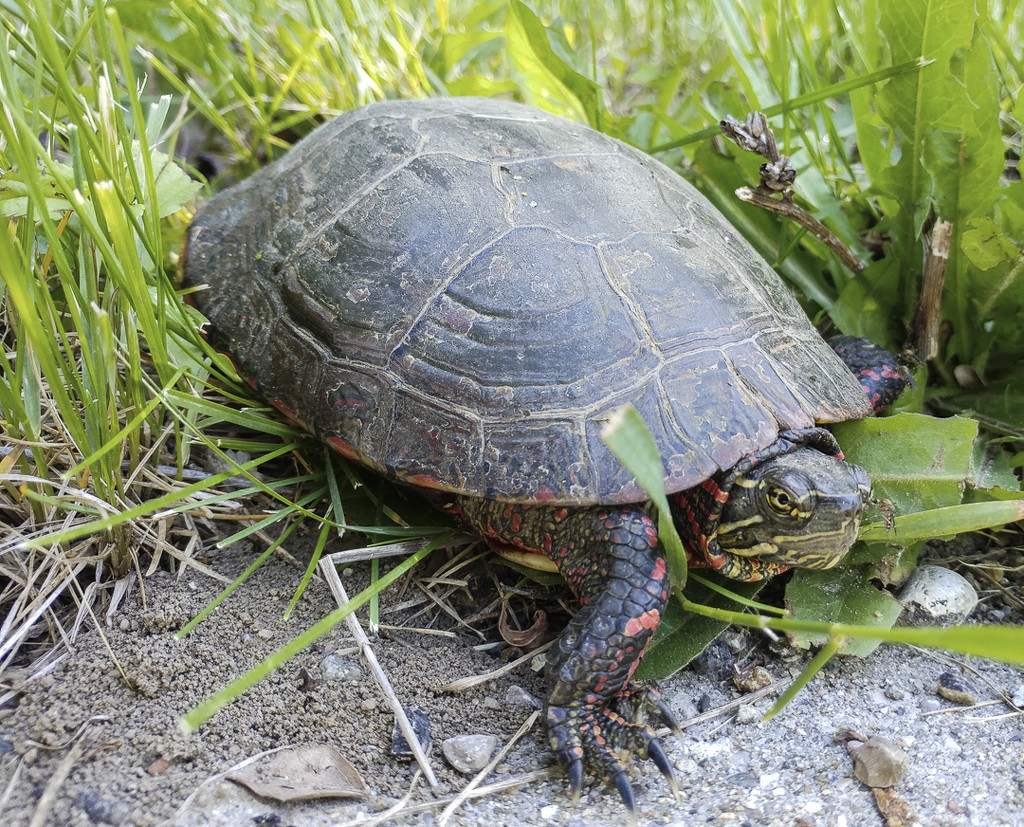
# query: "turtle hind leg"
610, 557
879, 372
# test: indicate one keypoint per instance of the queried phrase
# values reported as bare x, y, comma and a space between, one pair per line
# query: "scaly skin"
610, 558
878, 371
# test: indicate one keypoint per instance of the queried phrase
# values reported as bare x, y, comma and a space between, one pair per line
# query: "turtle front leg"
611, 559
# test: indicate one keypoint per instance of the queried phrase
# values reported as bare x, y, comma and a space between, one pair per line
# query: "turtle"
459, 293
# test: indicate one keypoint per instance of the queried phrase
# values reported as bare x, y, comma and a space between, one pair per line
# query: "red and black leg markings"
879, 372
611, 559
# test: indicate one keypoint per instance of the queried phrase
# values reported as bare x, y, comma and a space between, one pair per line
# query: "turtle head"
800, 509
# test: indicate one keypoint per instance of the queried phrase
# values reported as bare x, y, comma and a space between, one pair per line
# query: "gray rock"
878, 762
937, 595
334, 667
469, 753
1018, 697
748, 714
517, 696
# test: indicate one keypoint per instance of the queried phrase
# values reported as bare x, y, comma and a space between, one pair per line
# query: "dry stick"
777, 176
330, 574
462, 684
925, 326
405, 548
430, 806
788, 209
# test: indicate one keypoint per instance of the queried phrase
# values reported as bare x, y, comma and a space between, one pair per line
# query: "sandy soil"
85, 745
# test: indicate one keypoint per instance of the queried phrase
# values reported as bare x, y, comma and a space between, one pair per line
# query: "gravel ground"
82, 746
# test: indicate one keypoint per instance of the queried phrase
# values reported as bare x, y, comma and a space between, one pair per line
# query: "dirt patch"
87, 746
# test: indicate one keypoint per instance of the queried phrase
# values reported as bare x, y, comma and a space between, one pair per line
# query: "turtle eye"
780, 500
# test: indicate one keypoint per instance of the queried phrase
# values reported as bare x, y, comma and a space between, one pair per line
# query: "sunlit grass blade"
627, 436
944, 522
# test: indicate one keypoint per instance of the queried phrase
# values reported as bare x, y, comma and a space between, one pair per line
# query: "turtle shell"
458, 292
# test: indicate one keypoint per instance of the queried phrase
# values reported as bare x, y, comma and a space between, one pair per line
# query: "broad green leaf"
173, 188
991, 472
999, 406
915, 461
862, 308
841, 596
986, 245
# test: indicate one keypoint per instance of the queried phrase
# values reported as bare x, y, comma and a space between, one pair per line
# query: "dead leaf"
526, 639
302, 774
893, 807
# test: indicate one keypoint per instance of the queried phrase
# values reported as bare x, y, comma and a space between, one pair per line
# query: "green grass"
108, 395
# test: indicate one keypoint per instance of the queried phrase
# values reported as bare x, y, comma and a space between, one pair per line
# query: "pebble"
420, 726
937, 595
469, 753
954, 688
1018, 697
517, 696
752, 678
748, 714
878, 762
334, 667
103, 810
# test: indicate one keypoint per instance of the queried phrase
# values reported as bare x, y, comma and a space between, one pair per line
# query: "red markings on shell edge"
343, 447
648, 621
544, 494
660, 570
424, 480
349, 402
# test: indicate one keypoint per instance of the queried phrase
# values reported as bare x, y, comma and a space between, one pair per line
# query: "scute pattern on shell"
457, 292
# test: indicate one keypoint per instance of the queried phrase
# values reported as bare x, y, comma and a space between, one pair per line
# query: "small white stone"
469, 753
934, 594
747, 714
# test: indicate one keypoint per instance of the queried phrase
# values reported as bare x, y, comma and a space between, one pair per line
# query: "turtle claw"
575, 772
657, 755
669, 720
626, 793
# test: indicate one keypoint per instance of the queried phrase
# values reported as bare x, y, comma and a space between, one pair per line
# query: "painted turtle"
457, 293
